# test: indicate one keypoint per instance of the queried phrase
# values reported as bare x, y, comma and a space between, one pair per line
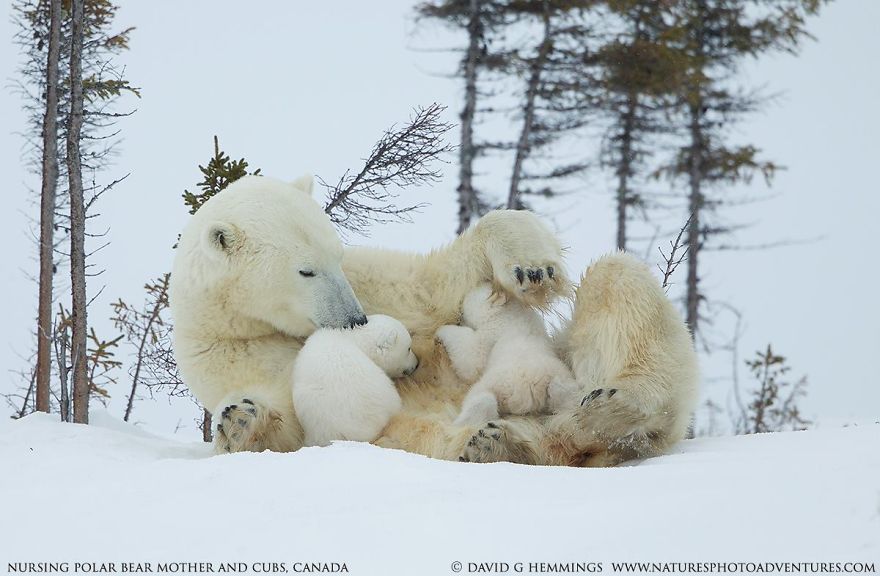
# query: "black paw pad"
247, 401
612, 392
550, 272
492, 425
520, 275
535, 276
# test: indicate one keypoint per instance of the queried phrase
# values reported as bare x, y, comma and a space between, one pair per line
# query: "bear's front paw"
244, 427
525, 256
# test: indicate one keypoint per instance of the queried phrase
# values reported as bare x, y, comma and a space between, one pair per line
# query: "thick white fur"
242, 311
342, 387
633, 357
503, 345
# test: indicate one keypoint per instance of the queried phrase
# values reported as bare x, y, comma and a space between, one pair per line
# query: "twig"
673, 259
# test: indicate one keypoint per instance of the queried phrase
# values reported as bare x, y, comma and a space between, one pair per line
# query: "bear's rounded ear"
221, 238
387, 340
306, 183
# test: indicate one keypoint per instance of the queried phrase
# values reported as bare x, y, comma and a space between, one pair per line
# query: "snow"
111, 492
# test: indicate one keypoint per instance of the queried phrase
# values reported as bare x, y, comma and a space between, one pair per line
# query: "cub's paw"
497, 442
245, 426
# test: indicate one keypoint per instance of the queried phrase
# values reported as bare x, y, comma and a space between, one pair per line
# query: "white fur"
242, 312
342, 388
503, 345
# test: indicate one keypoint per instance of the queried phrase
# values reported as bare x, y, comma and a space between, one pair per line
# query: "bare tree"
43, 34
402, 157
47, 212
79, 332
142, 328
62, 347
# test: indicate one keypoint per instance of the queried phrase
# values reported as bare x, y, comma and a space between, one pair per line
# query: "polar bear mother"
259, 267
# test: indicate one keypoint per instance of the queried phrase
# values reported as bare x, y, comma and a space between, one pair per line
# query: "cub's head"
265, 250
388, 343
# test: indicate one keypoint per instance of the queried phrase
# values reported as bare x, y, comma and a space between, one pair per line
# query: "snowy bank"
110, 492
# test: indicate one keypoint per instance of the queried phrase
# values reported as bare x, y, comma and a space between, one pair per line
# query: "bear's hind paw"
496, 442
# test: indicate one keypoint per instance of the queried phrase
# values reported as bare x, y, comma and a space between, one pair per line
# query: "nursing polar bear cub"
342, 387
503, 345
260, 267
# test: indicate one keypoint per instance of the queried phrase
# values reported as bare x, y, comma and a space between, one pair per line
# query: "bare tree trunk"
27, 395
624, 171
47, 212
77, 222
522, 146
695, 205
695, 198
62, 332
207, 434
468, 207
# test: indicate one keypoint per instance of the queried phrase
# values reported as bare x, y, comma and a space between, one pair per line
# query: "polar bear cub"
342, 388
503, 346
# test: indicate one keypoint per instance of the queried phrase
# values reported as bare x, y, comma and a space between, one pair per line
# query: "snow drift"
110, 492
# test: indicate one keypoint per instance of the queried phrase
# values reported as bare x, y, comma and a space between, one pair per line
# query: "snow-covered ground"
110, 492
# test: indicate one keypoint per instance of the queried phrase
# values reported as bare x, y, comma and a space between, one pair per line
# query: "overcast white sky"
308, 87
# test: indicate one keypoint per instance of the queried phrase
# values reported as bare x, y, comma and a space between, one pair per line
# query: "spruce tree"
218, 173
716, 37
481, 21
640, 72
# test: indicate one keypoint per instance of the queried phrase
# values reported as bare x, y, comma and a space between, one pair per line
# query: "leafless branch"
674, 258
403, 157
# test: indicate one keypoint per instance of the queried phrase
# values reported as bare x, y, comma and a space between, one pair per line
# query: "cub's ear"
306, 183
387, 340
221, 238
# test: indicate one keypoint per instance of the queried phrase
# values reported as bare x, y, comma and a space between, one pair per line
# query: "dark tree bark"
522, 146
468, 207
624, 171
695, 205
47, 212
77, 222
695, 178
207, 433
